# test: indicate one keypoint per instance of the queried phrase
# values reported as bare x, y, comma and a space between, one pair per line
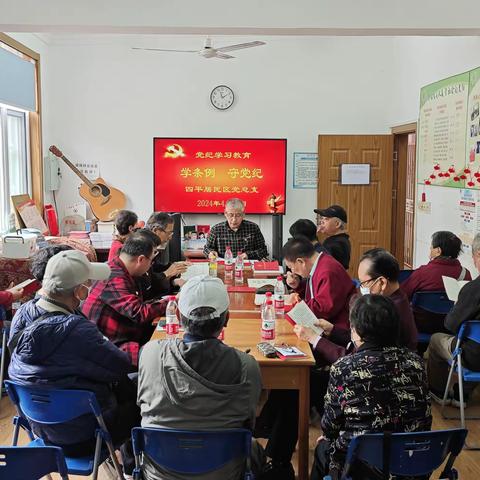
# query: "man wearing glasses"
163, 277
239, 234
332, 222
117, 305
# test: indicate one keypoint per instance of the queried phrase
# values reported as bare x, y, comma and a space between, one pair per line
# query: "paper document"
25, 283
302, 315
197, 268
286, 351
453, 287
260, 282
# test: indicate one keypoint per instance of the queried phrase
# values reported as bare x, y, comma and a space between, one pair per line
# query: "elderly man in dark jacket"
53, 344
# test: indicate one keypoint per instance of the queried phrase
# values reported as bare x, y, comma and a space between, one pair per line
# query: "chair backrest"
434, 302
470, 330
417, 453
192, 452
404, 274
31, 462
49, 406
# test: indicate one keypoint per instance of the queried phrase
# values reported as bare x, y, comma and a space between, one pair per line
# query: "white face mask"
364, 290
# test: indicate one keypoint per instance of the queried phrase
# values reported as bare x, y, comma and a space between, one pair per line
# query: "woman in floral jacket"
379, 388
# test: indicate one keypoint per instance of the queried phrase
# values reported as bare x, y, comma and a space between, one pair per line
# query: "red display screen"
198, 175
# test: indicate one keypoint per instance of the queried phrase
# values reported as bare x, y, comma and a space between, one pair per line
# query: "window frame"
33, 131
7, 112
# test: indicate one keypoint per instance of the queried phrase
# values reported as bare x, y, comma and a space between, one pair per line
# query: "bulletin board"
448, 163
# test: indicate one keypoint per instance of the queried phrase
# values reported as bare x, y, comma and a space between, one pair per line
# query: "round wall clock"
222, 97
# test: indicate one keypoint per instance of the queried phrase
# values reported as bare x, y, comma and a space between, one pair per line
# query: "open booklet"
301, 314
453, 287
195, 269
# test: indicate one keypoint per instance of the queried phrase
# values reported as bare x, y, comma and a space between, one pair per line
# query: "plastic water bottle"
172, 326
212, 265
268, 323
268, 296
279, 297
239, 268
229, 262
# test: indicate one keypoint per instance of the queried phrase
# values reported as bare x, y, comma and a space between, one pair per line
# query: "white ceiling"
244, 17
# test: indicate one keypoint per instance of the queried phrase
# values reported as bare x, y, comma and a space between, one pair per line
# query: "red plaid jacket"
117, 307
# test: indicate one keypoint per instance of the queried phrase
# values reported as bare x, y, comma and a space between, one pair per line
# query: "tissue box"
19, 245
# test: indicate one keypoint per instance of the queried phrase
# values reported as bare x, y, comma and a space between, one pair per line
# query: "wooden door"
369, 207
410, 201
399, 176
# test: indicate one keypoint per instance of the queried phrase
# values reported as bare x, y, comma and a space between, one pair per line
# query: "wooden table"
243, 332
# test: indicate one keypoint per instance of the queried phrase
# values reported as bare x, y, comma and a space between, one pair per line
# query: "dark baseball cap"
333, 211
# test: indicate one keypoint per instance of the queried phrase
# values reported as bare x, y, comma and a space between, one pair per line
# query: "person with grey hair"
241, 235
54, 345
442, 345
332, 222
198, 382
164, 277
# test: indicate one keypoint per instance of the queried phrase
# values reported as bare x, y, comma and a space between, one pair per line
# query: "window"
14, 160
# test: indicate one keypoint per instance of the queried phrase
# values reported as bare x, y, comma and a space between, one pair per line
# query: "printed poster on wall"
305, 170
472, 171
441, 132
469, 216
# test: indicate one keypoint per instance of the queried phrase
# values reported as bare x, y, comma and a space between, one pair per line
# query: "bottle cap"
268, 294
172, 298
280, 278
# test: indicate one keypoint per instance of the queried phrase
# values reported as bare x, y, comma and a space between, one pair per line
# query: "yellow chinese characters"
218, 189
223, 154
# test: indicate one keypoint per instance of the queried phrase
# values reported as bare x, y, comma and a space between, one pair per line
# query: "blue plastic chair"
410, 454
433, 302
469, 330
191, 452
404, 274
49, 406
21, 463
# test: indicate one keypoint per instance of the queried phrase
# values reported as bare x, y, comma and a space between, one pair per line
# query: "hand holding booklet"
301, 315
29, 286
453, 287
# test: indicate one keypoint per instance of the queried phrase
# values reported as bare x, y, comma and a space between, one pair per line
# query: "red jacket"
429, 277
330, 349
114, 249
118, 309
332, 289
6, 299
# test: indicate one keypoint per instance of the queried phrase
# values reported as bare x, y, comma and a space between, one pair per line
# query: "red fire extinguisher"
51, 219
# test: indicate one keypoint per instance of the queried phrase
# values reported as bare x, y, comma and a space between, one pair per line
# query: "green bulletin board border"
470, 78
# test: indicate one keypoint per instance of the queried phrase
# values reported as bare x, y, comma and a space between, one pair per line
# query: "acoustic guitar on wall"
105, 201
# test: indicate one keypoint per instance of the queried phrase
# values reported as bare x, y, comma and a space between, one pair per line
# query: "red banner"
198, 175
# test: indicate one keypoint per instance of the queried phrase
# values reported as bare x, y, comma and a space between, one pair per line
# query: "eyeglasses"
364, 283
155, 253
168, 232
234, 215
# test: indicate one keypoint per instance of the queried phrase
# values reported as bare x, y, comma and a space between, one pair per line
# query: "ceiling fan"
208, 51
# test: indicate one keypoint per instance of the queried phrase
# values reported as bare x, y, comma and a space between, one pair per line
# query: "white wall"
433, 60
105, 102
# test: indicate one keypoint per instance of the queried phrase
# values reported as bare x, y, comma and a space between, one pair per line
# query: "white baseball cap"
203, 291
71, 268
